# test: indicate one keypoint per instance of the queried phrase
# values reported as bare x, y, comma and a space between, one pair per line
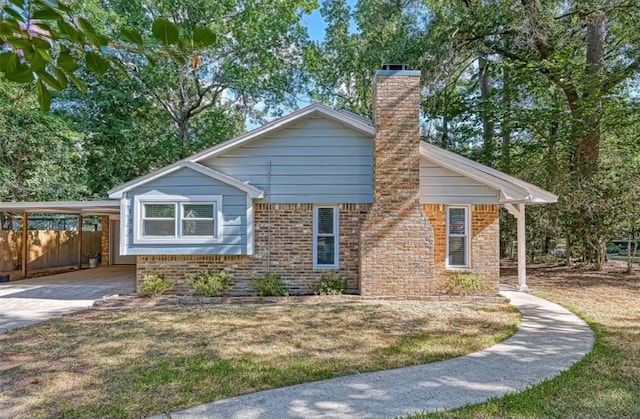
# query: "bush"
613, 249
269, 285
154, 285
210, 285
461, 283
330, 284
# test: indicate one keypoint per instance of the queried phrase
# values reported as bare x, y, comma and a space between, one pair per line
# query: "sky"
316, 24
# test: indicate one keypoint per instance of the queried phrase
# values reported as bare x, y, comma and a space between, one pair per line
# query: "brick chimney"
396, 239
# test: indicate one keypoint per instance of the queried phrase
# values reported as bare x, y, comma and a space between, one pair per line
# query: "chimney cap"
397, 70
395, 67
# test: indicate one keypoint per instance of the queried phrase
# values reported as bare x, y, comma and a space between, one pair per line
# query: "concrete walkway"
31, 301
549, 341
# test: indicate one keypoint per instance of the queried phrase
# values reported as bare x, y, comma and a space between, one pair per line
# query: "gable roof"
512, 190
357, 123
252, 191
353, 121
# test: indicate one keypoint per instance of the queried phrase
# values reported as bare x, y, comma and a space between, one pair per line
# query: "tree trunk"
488, 125
445, 132
586, 112
505, 125
629, 255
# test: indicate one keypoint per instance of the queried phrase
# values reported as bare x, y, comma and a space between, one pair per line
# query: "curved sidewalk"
550, 340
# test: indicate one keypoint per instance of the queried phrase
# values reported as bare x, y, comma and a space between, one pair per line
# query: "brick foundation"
283, 247
104, 240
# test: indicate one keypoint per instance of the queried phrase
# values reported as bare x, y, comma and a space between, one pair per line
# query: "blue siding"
190, 183
315, 160
439, 185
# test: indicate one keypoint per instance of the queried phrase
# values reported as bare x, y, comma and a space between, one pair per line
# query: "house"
316, 191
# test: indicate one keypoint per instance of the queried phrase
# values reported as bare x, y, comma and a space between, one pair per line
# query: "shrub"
209, 284
154, 285
330, 284
269, 285
612, 249
462, 283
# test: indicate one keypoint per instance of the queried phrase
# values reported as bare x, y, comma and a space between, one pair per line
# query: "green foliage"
209, 284
534, 89
154, 285
463, 283
330, 284
269, 285
45, 40
612, 249
43, 155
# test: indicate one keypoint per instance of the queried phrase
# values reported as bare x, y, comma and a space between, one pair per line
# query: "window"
325, 237
198, 220
178, 219
457, 237
159, 220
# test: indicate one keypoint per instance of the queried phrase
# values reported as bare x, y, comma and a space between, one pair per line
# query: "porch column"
105, 241
79, 242
25, 243
519, 213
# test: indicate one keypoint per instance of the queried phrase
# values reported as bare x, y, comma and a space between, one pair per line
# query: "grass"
144, 361
606, 382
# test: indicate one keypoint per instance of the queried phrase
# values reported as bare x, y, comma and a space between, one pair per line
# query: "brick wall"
397, 240
485, 242
104, 241
283, 246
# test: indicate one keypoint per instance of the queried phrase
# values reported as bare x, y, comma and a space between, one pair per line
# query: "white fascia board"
507, 192
62, 207
118, 191
250, 190
512, 189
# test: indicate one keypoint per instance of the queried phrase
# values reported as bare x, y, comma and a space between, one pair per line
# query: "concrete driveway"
35, 300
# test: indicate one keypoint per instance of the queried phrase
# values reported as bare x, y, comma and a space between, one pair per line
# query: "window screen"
198, 219
159, 220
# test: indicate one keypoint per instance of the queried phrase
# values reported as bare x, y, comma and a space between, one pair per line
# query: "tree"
585, 49
254, 59
44, 40
42, 156
538, 74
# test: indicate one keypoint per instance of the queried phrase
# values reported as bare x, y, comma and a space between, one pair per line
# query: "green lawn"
144, 361
606, 383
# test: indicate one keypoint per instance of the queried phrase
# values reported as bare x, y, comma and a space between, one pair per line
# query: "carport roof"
104, 207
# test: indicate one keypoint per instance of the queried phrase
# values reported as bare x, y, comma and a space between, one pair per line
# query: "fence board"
47, 248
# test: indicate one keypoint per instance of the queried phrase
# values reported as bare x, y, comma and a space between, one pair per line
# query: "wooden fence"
46, 248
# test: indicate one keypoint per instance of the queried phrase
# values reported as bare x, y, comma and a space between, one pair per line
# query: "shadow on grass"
137, 363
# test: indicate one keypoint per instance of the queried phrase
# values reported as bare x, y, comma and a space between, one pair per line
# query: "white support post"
522, 250
519, 213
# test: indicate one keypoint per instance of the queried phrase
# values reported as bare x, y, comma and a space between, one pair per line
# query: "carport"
108, 210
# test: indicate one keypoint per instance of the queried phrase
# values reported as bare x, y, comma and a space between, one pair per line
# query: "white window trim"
177, 200
336, 235
467, 222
